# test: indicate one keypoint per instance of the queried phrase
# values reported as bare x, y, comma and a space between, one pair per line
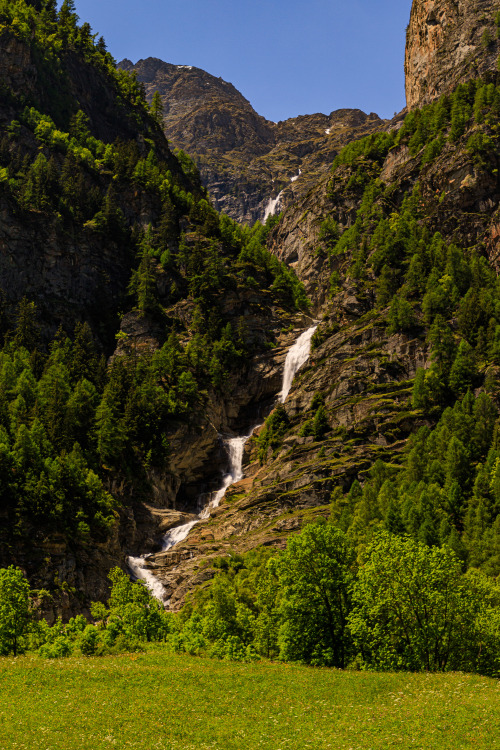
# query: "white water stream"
272, 207
234, 447
297, 355
274, 204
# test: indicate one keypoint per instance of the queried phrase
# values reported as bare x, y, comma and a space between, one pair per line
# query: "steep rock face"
448, 42
245, 161
205, 113
73, 272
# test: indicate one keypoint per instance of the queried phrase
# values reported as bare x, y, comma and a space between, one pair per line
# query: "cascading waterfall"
272, 207
297, 355
138, 565
274, 204
234, 448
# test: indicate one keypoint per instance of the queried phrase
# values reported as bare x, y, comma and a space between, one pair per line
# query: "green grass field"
162, 701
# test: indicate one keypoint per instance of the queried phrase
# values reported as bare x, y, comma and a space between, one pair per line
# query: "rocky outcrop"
363, 374
245, 161
448, 42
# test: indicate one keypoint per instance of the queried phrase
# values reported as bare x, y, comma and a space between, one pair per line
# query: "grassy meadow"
163, 701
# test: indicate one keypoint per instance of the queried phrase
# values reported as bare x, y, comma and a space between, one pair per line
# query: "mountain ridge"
245, 161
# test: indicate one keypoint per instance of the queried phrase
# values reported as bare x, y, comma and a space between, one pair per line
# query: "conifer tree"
157, 108
463, 371
27, 331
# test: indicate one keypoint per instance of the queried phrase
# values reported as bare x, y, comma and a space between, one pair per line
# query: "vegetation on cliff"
75, 424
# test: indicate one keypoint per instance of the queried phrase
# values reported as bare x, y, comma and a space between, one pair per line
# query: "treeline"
393, 604
130, 619
398, 605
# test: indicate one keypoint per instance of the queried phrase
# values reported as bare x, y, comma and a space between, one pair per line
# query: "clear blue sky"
288, 57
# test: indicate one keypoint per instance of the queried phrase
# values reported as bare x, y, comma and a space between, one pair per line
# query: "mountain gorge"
140, 326
245, 161
396, 348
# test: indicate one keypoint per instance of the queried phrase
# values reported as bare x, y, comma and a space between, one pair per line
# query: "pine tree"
419, 397
440, 338
157, 108
463, 371
27, 331
84, 359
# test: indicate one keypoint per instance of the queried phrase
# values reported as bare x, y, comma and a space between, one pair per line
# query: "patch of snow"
186, 67
328, 131
293, 179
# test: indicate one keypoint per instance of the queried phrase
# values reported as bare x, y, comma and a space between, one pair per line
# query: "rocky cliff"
245, 161
448, 42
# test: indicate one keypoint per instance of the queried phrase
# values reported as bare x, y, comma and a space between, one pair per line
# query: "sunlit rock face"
448, 42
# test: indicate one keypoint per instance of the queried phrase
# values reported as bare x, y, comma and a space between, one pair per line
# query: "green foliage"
157, 108
445, 491
401, 316
15, 610
373, 148
131, 618
315, 576
413, 609
132, 614
318, 425
273, 431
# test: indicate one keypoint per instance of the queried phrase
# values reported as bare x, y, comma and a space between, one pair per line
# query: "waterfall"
273, 206
234, 448
138, 567
297, 355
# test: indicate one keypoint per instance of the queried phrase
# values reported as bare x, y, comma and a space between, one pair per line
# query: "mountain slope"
393, 423
132, 315
245, 161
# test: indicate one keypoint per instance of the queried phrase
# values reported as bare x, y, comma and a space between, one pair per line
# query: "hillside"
245, 161
145, 335
132, 314
397, 247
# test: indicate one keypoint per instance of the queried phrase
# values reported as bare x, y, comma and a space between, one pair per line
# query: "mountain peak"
245, 160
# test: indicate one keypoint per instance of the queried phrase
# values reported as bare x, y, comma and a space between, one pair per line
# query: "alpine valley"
217, 330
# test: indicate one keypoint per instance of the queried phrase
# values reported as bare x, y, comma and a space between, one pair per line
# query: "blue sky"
288, 57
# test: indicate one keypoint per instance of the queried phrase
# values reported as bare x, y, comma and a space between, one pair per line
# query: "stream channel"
298, 354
